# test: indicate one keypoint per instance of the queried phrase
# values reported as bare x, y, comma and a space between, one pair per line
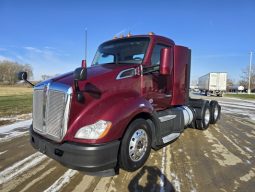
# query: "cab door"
156, 86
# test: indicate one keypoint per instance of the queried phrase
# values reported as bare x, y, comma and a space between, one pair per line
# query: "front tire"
136, 145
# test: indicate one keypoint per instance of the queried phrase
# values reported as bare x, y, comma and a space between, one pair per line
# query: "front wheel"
136, 145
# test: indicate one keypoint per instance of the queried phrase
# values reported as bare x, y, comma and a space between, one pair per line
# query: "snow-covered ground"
10, 128
240, 107
15, 118
14, 130
20, 167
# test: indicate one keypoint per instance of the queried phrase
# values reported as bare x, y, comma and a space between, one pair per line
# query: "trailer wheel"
207, 93
215, 111
206, 116
136, 145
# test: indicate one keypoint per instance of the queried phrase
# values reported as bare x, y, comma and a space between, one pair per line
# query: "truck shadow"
151, 182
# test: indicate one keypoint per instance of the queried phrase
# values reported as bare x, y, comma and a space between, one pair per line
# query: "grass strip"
15, 104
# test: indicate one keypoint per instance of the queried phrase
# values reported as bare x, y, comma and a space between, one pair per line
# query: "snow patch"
162, 177
12, 135
3, 152
22, 124
8, 132
220, 153
21, 117
248, 176
235, 104
248, 149
239, 108
64, 179
242, 112
20, 167
176, 182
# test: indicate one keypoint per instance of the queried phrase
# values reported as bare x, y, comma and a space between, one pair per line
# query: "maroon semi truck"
134, 97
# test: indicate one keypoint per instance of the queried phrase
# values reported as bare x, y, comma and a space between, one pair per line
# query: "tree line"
9, 70
244, 81
245, 77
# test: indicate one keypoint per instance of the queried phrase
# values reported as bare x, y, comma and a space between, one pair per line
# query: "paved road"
218, 159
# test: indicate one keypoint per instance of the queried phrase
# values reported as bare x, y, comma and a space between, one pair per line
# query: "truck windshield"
126, 51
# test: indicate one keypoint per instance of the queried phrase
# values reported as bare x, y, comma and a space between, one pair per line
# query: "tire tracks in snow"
62, 181
20, 167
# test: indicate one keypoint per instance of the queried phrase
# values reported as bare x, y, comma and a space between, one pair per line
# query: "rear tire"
136, 145
215, 111
205, 121
207, 93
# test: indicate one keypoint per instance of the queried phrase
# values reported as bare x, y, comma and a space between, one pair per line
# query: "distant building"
236, 88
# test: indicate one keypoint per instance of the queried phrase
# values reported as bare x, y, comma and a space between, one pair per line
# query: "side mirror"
166, 60
80, 74
22, 76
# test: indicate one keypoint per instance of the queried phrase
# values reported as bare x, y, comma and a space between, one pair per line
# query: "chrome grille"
38, 110
55, 113
51, 110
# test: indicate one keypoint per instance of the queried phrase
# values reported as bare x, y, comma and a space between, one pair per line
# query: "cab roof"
152, 37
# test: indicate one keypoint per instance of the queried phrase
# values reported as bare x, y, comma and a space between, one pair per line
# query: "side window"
104, 58
155, 58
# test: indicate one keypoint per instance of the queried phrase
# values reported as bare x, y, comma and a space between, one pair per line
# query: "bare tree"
45, 77
230, 83
245, 77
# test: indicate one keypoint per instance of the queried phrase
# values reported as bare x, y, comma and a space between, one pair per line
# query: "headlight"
94, 131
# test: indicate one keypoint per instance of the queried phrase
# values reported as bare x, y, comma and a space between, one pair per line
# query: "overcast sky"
49, 34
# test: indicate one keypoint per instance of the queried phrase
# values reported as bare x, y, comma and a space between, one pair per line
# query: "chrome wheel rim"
207, 116
216, 112
138, 145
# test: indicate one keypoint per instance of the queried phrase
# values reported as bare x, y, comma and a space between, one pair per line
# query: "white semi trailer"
213, 84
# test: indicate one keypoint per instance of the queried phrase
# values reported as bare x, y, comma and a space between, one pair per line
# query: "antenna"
84, 61
86, 32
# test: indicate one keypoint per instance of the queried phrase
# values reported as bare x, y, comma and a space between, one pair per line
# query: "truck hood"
92, 72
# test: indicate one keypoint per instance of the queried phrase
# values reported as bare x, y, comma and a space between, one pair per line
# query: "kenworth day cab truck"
134, 97
213, 84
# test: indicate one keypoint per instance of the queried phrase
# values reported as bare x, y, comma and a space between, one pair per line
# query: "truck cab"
134, 97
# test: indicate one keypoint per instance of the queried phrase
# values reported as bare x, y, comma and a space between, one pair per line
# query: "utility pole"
249, 81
